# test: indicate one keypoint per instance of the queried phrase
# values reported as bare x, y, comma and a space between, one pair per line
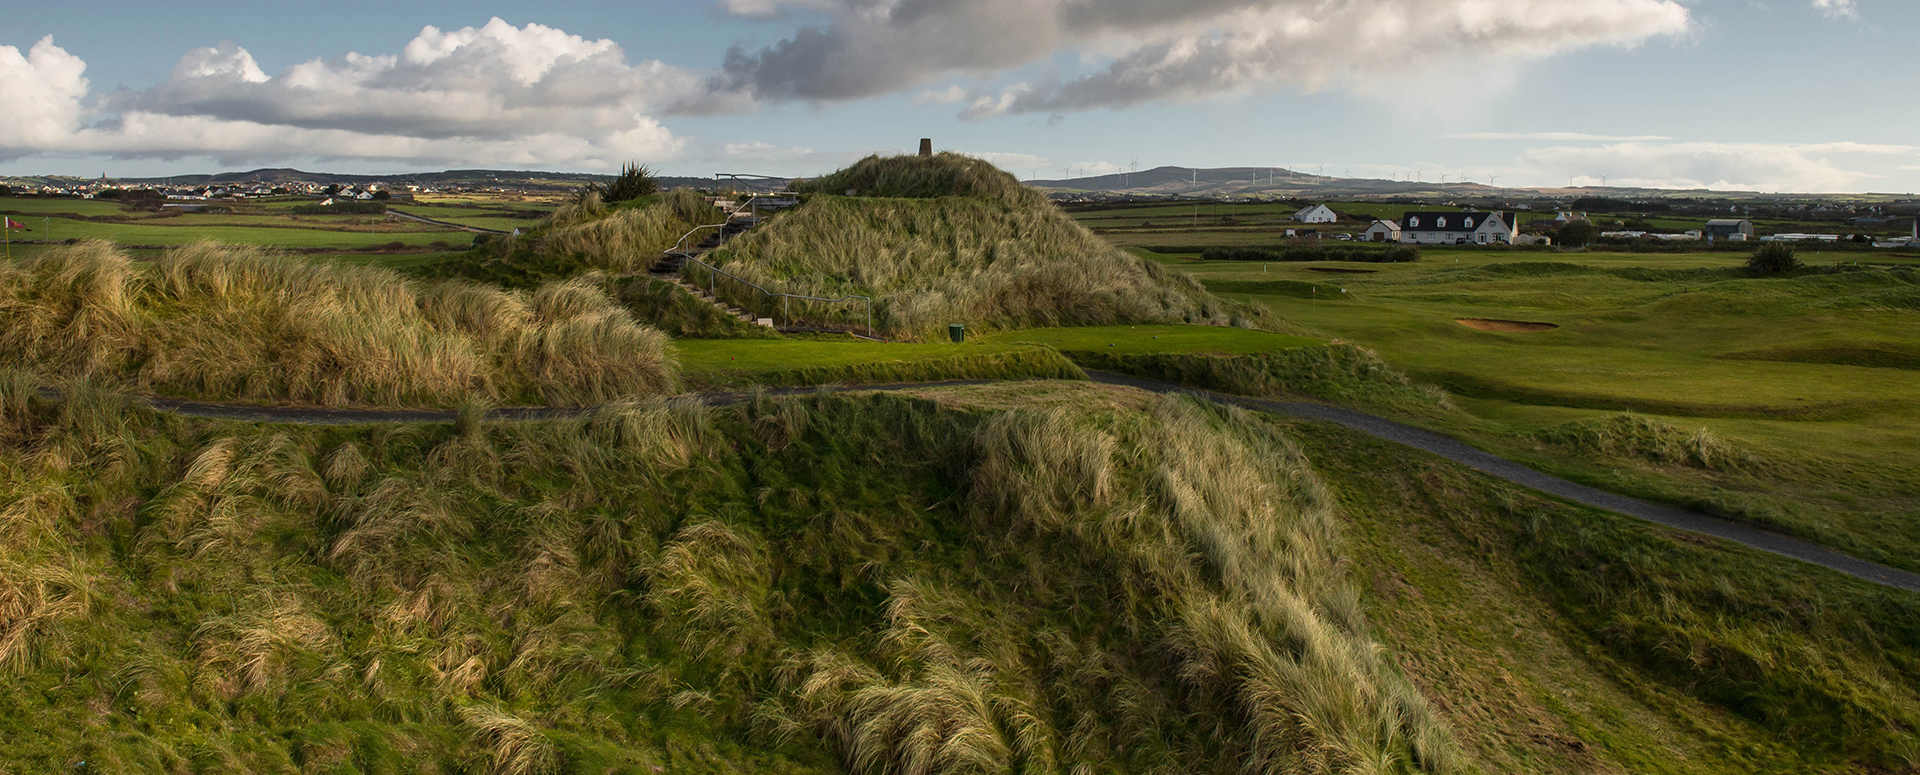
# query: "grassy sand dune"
825, 584
951, 239
237, 324
584, 236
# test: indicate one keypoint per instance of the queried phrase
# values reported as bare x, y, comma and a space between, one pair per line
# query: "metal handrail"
679, 247
714, 271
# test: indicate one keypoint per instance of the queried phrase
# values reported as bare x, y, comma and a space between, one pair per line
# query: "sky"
1812, 96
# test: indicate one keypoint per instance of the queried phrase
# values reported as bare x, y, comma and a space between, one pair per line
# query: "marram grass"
821, 584
949, 239
230, 323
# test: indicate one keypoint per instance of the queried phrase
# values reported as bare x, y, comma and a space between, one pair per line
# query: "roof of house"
1449, 221
1728, 222
1313, 208
1395, 225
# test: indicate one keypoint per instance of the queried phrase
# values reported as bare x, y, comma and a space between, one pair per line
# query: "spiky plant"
633, 182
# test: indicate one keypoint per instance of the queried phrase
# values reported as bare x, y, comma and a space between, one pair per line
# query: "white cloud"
1563, 137
43, 90
1838, 8
947, 96
1155, 50
1718, 166
495, 95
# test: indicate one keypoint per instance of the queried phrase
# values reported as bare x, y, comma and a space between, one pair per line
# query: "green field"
271, 223
1792, 370
1155, 339
742, 362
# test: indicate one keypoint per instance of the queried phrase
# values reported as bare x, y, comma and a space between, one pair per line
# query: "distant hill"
1282, 183
519, 179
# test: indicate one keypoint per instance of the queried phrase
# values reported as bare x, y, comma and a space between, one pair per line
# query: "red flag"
13, 224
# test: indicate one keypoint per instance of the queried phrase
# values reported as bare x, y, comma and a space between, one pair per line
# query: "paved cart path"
1378, 427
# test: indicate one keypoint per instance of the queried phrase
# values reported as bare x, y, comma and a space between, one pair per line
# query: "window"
1443, 223
1413, 223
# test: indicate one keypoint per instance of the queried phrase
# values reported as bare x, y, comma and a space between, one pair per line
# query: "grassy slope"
1573, 641
234, 324
781, 587
952, 240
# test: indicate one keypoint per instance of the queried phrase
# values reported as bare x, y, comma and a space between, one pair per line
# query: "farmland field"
273, 223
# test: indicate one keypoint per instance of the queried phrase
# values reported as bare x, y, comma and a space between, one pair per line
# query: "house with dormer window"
1458, 228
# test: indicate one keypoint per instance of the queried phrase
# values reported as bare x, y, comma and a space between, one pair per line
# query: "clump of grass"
235, 323
992, 262
1632, 437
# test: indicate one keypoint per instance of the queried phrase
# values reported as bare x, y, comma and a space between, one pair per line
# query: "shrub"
634, 181
1576, 234
1774, 258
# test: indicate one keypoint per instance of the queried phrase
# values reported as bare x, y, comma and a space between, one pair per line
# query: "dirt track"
1381, 428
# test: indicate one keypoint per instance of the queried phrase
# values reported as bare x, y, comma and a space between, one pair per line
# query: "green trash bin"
957, 332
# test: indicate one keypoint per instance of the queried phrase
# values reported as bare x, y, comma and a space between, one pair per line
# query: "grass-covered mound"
237, 324
811, 585
925, 177
950, 239
586, 235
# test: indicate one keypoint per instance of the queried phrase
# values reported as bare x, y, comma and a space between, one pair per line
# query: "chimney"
926, 146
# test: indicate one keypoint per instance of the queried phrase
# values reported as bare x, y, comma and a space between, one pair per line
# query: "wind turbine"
1495, 179
1069, 171
1603, 180
1033, 173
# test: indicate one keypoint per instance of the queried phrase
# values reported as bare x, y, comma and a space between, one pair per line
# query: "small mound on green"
237, 324
1631, 437
1879, 355
970, 245
586, 235
734, 363
1211, 340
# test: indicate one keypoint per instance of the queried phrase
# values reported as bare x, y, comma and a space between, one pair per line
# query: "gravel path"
1388, 430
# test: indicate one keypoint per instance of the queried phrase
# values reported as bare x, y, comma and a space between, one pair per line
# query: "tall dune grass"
583, 236
818, 584
952, 240
236, 323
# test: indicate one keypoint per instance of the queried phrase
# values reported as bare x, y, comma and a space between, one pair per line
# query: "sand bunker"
1506, 326
1332, 270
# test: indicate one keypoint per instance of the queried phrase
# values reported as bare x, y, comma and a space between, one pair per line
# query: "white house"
1383, 231
1458, 228
1317, 214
